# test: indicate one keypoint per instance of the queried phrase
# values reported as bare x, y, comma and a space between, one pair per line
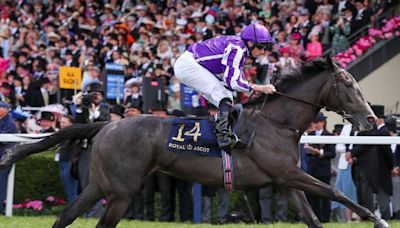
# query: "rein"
341, 113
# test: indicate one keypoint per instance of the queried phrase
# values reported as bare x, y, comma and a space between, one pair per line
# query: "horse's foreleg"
300, 180
298, 199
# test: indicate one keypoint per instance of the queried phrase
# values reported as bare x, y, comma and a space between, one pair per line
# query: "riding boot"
225, 138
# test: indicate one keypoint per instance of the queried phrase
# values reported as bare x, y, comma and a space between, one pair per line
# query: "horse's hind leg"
117, 204
298, 179
90, 195
298, 199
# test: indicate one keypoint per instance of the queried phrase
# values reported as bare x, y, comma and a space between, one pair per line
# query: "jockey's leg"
192, 74
225, 137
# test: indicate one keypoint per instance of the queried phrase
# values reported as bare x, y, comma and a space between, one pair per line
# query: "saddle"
197, 136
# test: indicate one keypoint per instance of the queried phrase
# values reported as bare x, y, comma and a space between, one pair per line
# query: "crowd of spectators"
146, 37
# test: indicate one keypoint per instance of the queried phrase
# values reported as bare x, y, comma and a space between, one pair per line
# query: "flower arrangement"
49, 206
390, 29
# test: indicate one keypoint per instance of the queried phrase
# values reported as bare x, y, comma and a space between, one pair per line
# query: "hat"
274, 55
391, 124
118, 109
46, 116
44, 80
4, 105
285, 50
94, 87
337, 128
68, 52
304, 12
319, 117
379, 110
295, 36
54, 36
201, 112
135, 103
177, 113
5, 85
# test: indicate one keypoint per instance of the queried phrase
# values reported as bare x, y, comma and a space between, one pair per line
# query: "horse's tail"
71, 134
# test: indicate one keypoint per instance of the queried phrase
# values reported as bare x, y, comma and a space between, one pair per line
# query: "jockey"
214, 67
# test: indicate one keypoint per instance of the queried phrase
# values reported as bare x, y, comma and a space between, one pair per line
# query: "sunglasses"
263, 46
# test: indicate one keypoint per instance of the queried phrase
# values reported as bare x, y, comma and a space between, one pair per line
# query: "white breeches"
194, 75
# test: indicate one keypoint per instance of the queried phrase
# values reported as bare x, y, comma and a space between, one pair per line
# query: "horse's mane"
285, 82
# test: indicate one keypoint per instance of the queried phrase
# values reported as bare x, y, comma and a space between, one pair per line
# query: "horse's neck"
295, 114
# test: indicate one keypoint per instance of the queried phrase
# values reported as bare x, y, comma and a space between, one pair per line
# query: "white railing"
367, 140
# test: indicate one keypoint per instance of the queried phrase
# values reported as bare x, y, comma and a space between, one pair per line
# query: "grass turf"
47, 221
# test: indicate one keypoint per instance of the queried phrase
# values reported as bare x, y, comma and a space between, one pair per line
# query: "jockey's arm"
267, 89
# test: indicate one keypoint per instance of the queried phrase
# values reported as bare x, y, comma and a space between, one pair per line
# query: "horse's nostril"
371, 119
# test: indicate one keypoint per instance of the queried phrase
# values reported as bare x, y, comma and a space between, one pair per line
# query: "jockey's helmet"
257, 34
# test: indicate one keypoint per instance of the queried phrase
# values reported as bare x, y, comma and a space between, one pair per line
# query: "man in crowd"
7, 125
91, 109
372, 168
319, 166
160, 180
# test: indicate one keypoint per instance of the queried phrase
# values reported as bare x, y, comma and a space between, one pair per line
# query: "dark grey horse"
124, 152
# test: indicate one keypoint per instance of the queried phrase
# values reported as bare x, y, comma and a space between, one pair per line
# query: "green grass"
47, 221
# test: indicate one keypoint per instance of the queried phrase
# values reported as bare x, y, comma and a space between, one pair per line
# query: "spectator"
64, 158
162, 182
344, 180
319, 166
47, 122
314, 47
341, 29
363, 16
133, 108
391, 124
285, 61
117, 112
266, 197
91, 108
372, 168
7, 125
325, 8
42, 96
295, 47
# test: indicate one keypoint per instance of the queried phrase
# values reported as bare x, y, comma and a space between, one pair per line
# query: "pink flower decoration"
50, 198
36, 205
388, 35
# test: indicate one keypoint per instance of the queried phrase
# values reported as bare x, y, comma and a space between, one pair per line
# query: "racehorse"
124, 152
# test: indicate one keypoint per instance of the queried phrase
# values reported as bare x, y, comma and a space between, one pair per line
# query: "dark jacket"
7, 125
83, 115
36, 98
396, 156
320, 166
375, 161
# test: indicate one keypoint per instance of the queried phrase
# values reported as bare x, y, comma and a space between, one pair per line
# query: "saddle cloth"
197, 136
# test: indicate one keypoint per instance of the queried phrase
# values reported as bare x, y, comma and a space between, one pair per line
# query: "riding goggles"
264, 46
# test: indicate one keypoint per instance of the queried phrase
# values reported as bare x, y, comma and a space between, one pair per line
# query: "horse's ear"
331, 62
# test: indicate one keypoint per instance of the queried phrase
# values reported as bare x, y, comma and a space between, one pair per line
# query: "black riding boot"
225, 137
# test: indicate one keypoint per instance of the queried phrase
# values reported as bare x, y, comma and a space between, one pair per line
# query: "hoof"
380, 223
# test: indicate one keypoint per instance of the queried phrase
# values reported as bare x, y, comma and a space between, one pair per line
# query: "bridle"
333, 76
